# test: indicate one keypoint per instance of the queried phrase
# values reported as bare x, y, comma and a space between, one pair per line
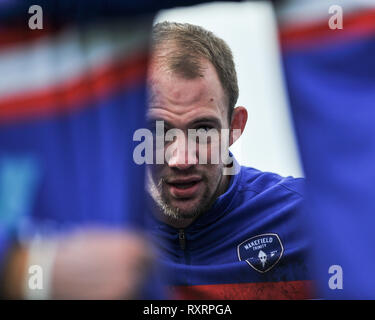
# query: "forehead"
178, 100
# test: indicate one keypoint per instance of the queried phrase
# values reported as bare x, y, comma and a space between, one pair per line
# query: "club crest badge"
261, 252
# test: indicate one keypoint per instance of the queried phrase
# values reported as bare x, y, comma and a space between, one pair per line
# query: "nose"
179, 155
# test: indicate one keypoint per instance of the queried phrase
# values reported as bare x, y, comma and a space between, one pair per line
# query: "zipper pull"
182, 239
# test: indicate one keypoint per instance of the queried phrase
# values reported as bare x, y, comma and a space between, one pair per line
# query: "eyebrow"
213, 120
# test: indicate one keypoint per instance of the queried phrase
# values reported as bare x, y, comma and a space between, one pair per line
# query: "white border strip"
54, 60
302, 12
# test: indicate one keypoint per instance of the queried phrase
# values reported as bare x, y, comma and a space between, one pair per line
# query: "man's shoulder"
262, 181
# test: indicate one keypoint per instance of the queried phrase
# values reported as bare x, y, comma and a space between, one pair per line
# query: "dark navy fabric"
57, 12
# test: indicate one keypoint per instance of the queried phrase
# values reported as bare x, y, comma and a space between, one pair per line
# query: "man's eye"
204, 128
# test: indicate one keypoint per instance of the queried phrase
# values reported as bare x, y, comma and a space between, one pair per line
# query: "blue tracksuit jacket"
252, 243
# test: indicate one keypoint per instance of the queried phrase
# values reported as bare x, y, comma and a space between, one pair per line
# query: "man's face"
182, 188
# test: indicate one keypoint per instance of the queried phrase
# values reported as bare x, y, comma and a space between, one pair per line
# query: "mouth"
184, 188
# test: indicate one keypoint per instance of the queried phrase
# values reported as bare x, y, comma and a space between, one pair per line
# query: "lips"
184, 187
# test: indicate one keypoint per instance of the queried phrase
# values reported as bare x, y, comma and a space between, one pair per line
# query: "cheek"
213, 174
156, 172
209, 151
218, 147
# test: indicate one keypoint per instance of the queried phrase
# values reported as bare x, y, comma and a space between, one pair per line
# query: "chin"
184, 207
187, 209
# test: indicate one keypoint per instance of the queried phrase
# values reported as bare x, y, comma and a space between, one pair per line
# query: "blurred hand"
100, 265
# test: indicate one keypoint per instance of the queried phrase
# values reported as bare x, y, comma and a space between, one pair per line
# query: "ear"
238, 123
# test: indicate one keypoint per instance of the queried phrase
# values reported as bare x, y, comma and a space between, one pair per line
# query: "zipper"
182, 239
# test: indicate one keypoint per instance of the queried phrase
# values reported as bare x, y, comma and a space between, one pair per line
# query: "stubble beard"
173, 213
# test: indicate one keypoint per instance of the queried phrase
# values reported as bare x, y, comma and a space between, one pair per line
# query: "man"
222, 236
